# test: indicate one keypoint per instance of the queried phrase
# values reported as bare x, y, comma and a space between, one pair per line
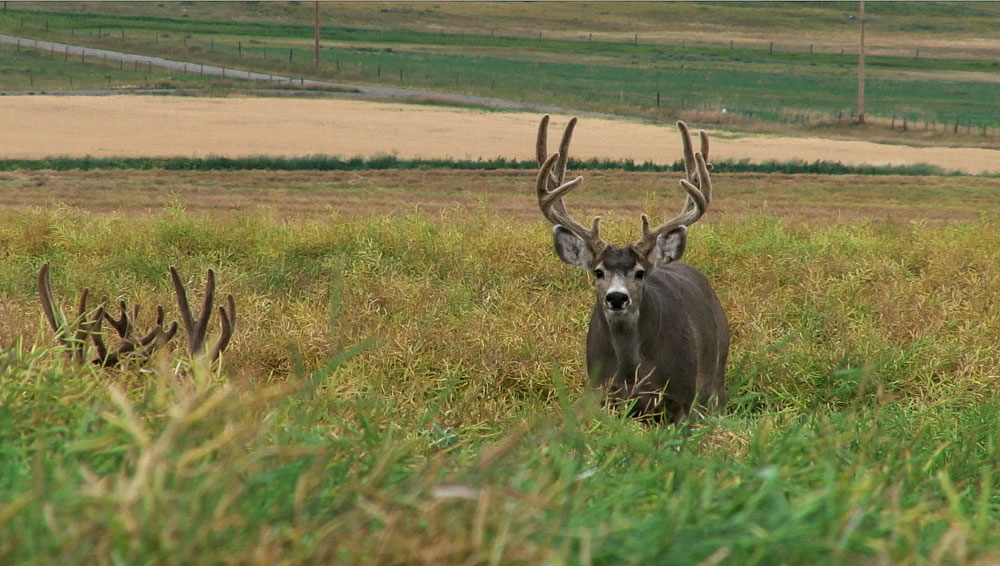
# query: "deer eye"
639, 274
599, 273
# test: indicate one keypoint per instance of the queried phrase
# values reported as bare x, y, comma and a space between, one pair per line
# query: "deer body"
671, 354
658, 338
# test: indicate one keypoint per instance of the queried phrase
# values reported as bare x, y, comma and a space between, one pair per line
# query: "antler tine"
195, 329
542, 153
688, 150
567, 137
704, 147
182, 305
697, 185
227, 320
541, 142
690, 165
124, 326
548, 198
558, 173
705, 187
157, 338
77, 345
121, 324
554, 210
83, 327
95, 336
206, 309
55, 316
157, 328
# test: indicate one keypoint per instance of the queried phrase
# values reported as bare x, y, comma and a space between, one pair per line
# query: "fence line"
654, 101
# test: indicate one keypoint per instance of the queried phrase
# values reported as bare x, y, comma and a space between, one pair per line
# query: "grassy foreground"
407, 391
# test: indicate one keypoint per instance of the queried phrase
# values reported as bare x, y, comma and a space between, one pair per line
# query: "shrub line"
384, 162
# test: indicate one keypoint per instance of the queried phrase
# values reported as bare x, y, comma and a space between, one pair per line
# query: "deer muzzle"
617, 301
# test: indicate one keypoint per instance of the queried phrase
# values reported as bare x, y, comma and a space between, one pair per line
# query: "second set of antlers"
85, 327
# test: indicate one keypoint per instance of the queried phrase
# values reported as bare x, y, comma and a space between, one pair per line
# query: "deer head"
619, 272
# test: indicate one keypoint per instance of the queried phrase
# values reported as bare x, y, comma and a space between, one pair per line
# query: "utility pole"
861, 66
316, 31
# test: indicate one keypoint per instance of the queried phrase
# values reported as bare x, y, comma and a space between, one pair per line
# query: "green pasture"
27, 69
950, 20
407, 389
749, 79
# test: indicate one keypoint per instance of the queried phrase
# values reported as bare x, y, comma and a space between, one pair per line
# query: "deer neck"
626, 337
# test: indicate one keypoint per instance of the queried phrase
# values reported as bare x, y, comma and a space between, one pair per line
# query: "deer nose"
616, 300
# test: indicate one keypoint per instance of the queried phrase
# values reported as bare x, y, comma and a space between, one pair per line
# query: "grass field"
405, 386
950, 89
957, 24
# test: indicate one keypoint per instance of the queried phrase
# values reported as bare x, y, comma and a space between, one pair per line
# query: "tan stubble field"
36, 127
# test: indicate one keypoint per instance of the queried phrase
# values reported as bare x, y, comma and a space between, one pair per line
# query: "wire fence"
281, 65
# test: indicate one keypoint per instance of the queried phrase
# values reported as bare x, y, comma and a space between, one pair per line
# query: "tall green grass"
407, 390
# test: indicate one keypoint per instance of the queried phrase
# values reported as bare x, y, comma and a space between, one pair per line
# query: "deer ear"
669, 247
571, 248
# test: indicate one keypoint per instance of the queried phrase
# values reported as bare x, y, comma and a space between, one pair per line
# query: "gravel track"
270, 78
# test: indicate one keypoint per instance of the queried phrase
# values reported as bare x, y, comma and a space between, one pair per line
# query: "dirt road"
187, 67
102, 126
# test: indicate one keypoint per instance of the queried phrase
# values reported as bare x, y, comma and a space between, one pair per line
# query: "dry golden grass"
415, 257
623, 195
174, 126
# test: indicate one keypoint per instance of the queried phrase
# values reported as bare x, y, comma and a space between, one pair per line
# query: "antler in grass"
70, 333
197, 328
131, 345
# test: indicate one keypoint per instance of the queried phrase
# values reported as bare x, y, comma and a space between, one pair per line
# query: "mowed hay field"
157, 126
406, 381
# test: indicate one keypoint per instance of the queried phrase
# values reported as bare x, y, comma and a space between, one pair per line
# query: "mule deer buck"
658, 337
73, 333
